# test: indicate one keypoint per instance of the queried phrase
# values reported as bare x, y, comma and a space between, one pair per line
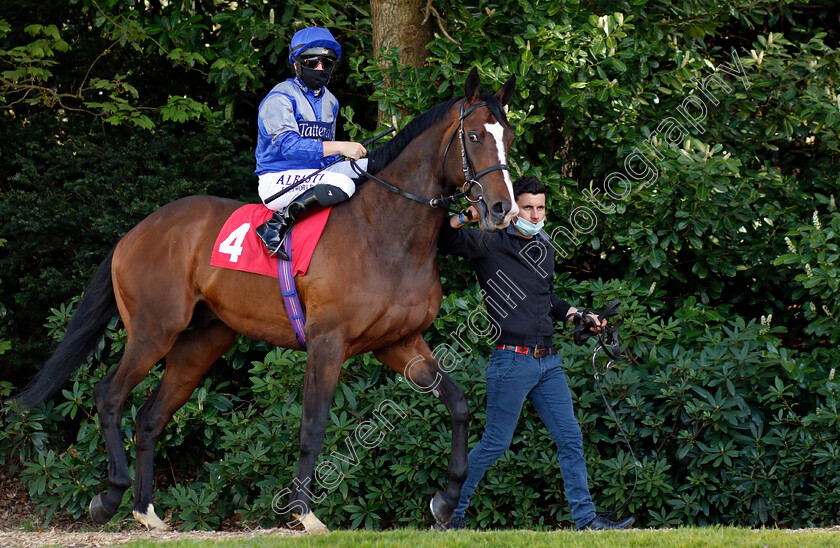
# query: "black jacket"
516, 276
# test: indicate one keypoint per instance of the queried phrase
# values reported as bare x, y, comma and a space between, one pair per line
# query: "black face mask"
313, 78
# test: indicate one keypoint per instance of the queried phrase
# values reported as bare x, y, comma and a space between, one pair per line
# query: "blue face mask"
528, 228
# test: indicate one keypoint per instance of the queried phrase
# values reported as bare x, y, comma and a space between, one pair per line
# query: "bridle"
471, 178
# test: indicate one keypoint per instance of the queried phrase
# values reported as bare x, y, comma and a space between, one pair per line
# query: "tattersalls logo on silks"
315, 130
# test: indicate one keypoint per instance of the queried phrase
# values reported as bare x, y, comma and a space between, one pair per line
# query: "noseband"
471, 178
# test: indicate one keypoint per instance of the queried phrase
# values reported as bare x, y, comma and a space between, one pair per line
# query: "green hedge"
723, 430
727, 263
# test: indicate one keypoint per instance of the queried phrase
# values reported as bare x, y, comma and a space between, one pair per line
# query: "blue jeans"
511, 378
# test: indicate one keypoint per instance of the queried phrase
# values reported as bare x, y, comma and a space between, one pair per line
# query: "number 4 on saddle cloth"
238, 247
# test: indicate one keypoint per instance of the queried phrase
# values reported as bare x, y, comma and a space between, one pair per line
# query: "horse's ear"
472, 85
506, 91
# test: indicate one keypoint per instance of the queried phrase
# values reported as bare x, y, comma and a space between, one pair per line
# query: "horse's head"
481, 169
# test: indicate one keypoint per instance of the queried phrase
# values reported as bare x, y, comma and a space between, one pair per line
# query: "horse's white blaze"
312, 524
150, 519
498, 132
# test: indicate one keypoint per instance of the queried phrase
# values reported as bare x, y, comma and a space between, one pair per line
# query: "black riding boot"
274, 230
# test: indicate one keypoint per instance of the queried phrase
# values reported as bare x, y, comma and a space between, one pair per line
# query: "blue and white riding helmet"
320, 41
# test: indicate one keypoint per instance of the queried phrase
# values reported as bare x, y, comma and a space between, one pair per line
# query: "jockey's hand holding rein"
348, 149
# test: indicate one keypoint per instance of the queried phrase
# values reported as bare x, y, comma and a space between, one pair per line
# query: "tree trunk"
399, 24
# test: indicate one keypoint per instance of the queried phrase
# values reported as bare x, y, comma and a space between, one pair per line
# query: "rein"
470, 176
608, 343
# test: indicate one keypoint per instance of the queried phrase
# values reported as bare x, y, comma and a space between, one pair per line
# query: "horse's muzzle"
500, 214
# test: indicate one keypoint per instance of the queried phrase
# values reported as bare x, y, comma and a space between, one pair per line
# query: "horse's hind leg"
413, 359
191, 356
141, 354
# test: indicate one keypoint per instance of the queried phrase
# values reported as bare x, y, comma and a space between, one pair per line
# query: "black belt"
535, 351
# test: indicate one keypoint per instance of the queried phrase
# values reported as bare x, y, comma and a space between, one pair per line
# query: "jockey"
296, 126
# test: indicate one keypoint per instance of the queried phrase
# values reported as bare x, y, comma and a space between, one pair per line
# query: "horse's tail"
95, 310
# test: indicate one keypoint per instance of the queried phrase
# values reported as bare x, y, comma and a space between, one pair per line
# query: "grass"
723, 537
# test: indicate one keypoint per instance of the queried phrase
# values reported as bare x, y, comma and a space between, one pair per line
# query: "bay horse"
373, 285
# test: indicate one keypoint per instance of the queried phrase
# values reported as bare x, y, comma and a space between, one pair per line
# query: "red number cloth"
238, 247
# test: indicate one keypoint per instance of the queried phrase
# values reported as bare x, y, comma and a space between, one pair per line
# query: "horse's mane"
382, 156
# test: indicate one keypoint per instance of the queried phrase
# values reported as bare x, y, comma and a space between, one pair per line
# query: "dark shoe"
457, 522
275, 229
601, 522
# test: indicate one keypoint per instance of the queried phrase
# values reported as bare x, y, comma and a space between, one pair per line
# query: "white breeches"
339, 175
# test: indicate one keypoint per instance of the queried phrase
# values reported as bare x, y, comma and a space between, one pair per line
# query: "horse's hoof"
97, 510
151, 520
311, 523
441, 510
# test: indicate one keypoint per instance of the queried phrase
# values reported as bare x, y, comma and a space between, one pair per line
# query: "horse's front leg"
413, 359
323, 365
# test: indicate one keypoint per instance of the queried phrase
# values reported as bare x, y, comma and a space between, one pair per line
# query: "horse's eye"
473, 136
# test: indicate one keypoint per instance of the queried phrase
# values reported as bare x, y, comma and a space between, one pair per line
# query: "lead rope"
597, 375
608, 343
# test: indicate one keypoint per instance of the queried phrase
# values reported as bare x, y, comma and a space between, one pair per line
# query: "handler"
296, 132
524, 364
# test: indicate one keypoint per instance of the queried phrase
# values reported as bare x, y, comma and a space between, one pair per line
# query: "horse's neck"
404, 223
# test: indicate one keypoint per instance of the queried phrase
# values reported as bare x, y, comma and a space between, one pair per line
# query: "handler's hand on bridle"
595, 324
590, 319
589, 323
472, 214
